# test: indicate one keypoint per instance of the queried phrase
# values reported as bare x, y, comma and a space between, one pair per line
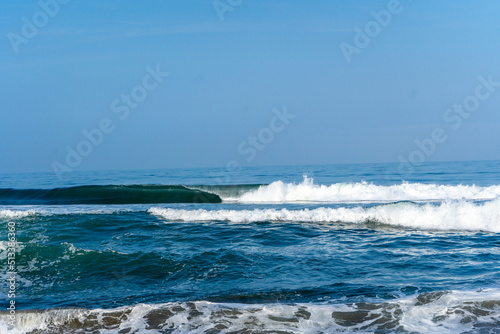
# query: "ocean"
285, 249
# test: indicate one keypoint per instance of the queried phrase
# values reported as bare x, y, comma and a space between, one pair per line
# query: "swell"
110, 194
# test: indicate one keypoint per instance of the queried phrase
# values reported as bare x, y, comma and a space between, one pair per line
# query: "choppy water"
303, 249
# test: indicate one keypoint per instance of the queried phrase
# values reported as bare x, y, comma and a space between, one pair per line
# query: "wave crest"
17, 213
123, 194
451, 215
307, 191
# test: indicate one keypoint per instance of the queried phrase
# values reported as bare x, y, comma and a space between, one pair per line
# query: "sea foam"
434, 312
12, 214
308, 191
449, 215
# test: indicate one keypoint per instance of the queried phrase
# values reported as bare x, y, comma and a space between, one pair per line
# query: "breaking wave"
449, 215
307, 191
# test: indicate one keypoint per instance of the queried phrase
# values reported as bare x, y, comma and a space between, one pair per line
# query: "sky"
97, 85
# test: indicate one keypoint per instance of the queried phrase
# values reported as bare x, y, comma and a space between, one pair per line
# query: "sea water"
286, 249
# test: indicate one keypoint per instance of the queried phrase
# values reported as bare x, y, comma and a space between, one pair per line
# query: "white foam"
5, 245
307, 191
13, 214
442, 312
21, 211
451, 215
453, 312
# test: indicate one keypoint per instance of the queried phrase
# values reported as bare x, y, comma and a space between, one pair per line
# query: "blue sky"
225, 78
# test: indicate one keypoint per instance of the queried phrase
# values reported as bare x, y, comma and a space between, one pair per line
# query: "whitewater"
449, 215
308, 191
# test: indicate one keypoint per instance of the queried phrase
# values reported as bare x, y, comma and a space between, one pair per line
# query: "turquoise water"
303, 249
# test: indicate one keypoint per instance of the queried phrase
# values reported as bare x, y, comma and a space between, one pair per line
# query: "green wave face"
130, 194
